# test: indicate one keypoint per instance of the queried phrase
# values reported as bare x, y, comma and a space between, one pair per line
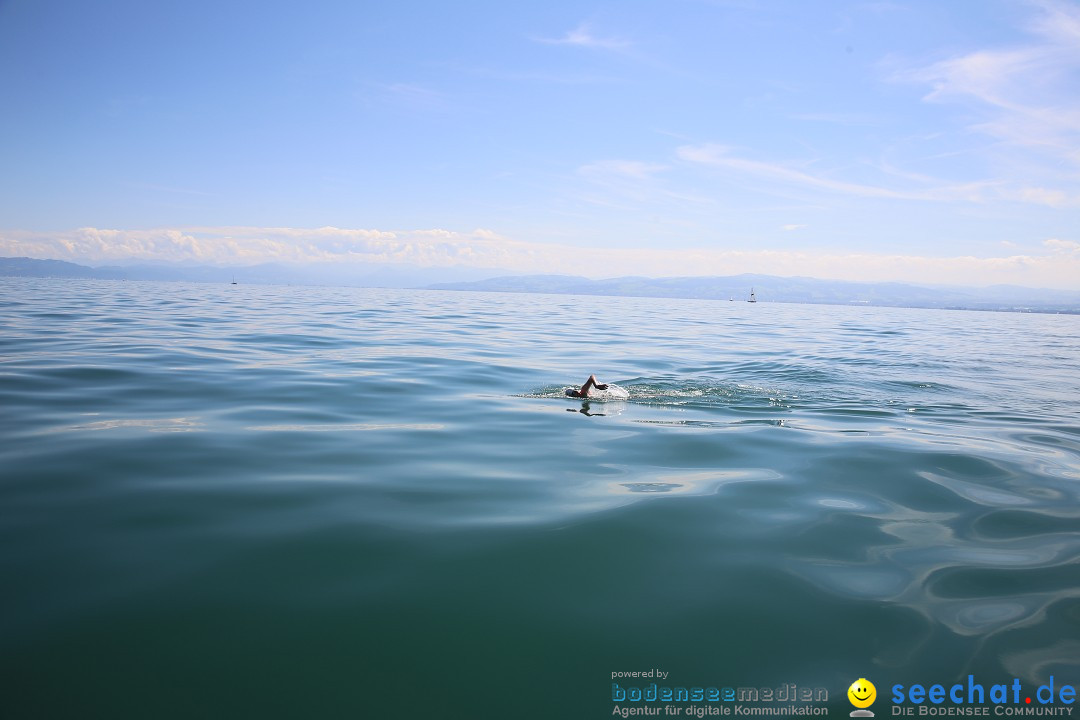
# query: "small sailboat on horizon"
752, 298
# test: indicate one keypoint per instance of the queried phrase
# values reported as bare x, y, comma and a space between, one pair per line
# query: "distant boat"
752, 298
234, 280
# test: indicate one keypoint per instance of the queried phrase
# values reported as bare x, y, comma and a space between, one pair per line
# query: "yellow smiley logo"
862, 693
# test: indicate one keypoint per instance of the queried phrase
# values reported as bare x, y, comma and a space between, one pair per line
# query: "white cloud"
1059, 267
1059, 246
582, 36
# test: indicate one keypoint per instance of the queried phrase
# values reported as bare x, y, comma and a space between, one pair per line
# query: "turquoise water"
235, 501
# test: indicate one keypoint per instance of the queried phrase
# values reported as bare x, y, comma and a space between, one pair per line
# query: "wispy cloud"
543, 77
484, 248
1026, 94
640, 183
719, 156
1044, 196
621, 168
583, 36
840, 118
412, 97
918, 188
1023, 97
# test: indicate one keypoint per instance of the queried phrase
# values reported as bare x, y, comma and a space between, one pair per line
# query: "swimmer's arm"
591, 382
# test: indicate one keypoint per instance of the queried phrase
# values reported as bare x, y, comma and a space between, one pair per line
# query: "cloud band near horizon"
1056, 266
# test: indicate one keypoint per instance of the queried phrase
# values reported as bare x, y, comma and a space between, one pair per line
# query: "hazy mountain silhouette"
767, 288
770, 288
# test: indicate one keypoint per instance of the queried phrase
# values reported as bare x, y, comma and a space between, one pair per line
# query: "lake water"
241, 501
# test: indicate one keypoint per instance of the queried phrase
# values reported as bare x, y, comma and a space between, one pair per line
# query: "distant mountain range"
770, 288
767, 288
370, 275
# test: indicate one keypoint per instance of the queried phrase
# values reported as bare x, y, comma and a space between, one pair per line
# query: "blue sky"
918, 141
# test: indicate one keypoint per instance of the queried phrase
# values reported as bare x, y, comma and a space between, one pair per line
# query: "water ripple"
379, 478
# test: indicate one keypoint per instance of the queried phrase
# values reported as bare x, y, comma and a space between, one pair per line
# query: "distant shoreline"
800, 290
853, 303
769, 289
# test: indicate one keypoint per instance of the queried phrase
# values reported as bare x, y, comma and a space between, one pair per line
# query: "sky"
919, 141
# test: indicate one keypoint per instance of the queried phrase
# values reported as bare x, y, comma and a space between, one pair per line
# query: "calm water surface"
233, 501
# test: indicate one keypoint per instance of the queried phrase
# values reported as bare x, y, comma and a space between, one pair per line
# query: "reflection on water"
178, 424
345, 427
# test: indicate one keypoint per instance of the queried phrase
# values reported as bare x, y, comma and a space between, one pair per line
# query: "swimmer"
584, 391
